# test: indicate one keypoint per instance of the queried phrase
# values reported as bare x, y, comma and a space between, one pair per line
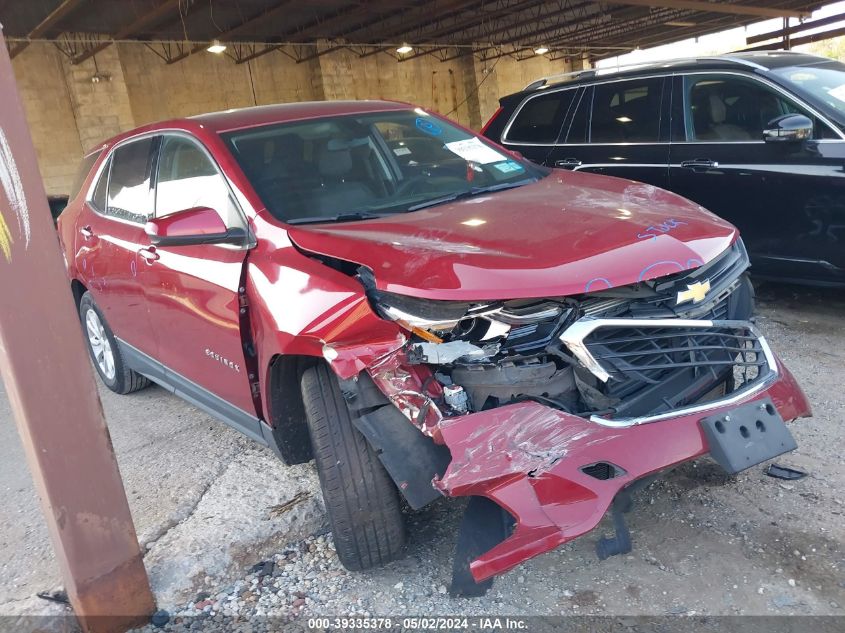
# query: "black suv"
757, 138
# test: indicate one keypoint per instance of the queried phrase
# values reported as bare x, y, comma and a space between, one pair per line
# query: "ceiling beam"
55, 16
236, 30
795, 28
799, 41
716, 7
139, 24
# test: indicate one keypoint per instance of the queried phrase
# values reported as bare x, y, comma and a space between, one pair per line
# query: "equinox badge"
695, 292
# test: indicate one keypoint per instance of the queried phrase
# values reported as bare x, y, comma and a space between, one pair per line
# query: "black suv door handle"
699, 164
568, 163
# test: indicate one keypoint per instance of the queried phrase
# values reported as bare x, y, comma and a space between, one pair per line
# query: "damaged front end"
546, 412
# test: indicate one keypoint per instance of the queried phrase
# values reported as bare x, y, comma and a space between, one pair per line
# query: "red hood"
563, 235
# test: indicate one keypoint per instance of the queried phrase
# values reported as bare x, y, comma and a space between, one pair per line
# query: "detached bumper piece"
556, 474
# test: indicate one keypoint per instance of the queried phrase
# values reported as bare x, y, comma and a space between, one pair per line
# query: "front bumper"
527, 458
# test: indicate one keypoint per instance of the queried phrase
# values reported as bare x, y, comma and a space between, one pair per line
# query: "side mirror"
199, 225
788, 128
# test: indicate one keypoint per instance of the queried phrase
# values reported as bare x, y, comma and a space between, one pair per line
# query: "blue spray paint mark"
693, 261
429, 127
590, 283
655, 264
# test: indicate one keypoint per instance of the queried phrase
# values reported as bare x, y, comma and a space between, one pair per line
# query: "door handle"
699, 164
86, 232
568, 163
149, 254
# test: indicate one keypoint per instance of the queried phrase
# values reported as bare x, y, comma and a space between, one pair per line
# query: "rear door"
619, 128
787, 199
110, 233
192, 291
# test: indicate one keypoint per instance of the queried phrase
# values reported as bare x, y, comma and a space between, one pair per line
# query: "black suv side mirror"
788, 128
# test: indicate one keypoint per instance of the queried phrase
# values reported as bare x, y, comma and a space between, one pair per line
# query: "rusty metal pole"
48, 377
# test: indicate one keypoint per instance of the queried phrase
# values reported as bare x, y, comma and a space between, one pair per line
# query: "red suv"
425, 313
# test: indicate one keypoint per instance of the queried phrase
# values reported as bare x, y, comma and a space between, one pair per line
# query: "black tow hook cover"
748, 435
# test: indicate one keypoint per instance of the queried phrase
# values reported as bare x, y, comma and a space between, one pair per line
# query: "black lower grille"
639, 356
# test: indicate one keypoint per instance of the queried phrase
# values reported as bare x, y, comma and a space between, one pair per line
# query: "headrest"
334, 163
718, 109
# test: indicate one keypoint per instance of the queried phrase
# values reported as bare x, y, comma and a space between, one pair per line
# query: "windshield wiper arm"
471, 192
341, 217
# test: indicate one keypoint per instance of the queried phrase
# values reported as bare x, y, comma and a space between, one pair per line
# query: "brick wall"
68, 113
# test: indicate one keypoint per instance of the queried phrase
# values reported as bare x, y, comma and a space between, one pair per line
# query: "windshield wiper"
474, 191
341, 217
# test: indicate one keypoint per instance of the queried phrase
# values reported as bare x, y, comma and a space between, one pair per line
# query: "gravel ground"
705, 543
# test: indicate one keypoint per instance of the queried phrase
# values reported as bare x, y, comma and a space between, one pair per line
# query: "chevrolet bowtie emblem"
695, 292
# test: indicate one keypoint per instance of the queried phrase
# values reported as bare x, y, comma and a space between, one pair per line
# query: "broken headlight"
435, 321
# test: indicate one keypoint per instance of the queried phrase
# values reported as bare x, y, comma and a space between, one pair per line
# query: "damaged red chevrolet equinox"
425, 314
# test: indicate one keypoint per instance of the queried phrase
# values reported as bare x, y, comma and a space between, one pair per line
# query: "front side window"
350, 167
539, 120
733, 109
627, 111
187, 178
129, 196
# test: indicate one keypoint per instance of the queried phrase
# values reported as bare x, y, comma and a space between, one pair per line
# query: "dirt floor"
704, 542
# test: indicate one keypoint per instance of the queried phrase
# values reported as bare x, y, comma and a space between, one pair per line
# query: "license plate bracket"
748, 435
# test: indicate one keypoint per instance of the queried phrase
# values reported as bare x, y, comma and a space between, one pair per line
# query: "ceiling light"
679, 23
541, 50
216, 47
624, 119
405, 48
474, 222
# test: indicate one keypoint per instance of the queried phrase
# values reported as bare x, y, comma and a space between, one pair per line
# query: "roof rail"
594, 72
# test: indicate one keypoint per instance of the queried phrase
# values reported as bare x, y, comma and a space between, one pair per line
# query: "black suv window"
731, 109
129, 196
540, 119
627, 111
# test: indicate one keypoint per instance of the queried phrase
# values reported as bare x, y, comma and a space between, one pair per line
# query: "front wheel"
105, 353
362, 502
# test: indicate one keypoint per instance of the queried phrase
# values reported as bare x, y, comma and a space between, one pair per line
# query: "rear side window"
627, 111
540, 118
82, 172
129, 196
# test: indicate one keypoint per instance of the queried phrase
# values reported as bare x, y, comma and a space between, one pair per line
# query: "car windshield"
824, 82
360, 166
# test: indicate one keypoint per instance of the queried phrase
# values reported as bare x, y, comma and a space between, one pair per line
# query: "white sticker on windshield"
474, 150
838, 92
401, 151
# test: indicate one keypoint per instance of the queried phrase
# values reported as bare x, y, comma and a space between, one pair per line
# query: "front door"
786, 198
111, 234
192, 291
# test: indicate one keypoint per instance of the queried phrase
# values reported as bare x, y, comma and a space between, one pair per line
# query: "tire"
361, 499
115, 375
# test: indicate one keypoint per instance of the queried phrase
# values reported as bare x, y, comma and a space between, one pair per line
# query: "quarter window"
540, 119
98, 198
187, 178
627, 111
129, 182
734, 109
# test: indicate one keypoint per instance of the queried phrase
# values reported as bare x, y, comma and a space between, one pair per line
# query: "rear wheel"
362, 502
105, 353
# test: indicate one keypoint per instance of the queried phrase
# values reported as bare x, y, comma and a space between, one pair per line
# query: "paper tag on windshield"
474, 150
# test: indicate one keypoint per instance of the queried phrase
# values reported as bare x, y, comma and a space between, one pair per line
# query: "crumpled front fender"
527, 458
